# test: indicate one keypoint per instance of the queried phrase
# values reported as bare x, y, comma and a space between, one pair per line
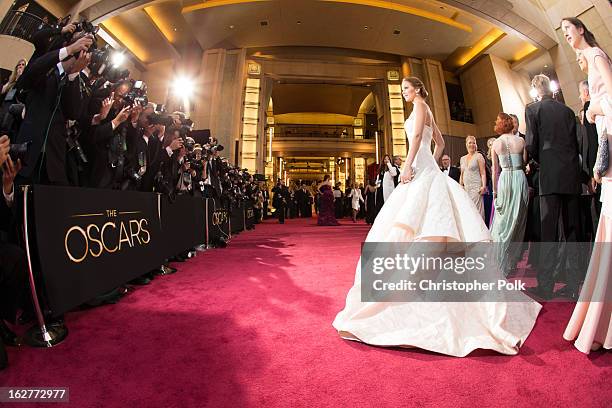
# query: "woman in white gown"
427, 206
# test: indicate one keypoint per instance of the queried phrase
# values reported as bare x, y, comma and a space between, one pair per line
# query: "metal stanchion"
38, 336
207, 226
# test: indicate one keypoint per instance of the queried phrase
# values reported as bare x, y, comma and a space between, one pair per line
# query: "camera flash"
118, 59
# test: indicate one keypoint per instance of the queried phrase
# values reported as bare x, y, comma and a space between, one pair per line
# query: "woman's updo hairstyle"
418, 85
503, 124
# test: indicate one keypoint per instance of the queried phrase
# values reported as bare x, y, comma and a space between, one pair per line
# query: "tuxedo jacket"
588, 143
454, 173
551, 141
281, 196
51, 100
154, 153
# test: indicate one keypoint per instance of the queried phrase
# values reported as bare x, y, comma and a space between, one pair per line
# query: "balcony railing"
21, 24
317, 131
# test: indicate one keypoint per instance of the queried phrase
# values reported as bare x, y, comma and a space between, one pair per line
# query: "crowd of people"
331, 202
69, 117
550, 187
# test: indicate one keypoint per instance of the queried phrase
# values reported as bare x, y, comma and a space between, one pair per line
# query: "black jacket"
281, 196
552, 142
587, 144
51, 100
454, 173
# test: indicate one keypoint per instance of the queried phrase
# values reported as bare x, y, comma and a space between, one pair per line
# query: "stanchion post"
45, 340
207, 227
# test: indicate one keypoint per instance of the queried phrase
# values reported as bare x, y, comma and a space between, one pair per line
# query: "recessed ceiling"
339, 99
416, 28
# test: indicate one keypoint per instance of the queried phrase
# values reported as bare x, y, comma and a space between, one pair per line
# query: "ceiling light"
545, 66
299, 22
365, 27
232, 27
396, 32
554, 86
533, 93
184, 86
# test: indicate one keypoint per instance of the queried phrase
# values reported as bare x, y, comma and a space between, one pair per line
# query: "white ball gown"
433, 208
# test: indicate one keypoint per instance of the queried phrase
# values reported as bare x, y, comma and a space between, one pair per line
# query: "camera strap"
60, 90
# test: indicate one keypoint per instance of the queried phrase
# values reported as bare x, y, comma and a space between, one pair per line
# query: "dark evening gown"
326, 207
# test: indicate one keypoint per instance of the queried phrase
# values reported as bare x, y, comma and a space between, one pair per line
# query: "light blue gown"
510, 217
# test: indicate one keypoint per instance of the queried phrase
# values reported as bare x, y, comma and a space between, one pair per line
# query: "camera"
12, 120
137, 95
211, 148
101, 62
19, 151
87, 27
72, 141
160, 119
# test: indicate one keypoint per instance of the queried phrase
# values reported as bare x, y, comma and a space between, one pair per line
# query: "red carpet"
250, 325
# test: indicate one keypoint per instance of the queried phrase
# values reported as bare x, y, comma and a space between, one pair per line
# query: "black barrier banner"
183, 223
217, 221
237, 219
91, 241
249, 215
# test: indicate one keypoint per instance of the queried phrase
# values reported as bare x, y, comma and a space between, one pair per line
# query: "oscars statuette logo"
250, 213
108, 235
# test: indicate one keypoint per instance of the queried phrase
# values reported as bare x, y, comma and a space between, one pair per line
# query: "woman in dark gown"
326, 204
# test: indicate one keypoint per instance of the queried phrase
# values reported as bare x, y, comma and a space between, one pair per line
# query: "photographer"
146, 154
109, 134
14, 294
213, 164
53, 97
52, 37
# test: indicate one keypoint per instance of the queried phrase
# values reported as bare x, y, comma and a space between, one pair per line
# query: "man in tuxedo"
107, 139
451, 171
307, 209
515, 124
53, 96
551, 141
397, 163
266, 199
280, 199
146, 152
13, 267
588, 145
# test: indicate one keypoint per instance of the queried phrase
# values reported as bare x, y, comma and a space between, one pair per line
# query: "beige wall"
218, 102
438, 99
158, 77
491, 86
14, 49
462, 129
481, 93
513, 89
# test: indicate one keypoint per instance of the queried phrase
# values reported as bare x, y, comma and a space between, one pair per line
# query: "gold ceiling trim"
216, 3
527, 50
485, 42
124, 36
408, 10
